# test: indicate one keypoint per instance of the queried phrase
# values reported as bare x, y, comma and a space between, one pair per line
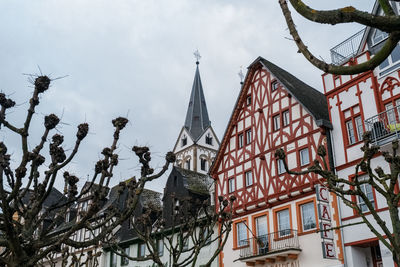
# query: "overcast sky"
135, 58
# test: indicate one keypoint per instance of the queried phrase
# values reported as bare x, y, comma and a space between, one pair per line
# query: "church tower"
197, 144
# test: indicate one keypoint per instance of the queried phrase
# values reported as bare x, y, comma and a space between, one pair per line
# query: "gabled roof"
367, 31
311, 99
197, 120
194, 181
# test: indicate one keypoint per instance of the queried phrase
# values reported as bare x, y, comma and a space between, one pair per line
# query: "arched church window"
203, 164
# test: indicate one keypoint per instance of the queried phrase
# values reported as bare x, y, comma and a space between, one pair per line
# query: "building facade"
357, 103
275, 215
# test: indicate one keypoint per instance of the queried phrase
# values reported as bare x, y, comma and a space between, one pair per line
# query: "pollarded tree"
388, 22
34, 228
349, 191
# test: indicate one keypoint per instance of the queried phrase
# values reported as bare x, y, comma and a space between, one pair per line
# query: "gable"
209, 139
180, 144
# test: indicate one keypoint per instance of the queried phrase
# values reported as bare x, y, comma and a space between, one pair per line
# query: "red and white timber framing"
262, 99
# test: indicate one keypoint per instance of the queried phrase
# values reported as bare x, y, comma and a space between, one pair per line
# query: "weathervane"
197, 56
241, 75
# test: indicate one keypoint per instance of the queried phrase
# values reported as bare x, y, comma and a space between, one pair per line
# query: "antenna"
241, 75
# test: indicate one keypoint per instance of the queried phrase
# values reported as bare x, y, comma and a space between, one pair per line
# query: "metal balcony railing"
269, 244
346, 49
385, 126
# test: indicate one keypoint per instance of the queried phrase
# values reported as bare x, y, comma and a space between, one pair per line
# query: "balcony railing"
346, 49
385, 126
270, 244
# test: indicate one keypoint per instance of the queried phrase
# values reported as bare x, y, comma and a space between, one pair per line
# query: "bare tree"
388, 22
349, 190
31, 231
192, 225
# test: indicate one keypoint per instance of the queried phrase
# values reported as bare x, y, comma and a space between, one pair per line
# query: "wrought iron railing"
346, 49
269, 244
385, 126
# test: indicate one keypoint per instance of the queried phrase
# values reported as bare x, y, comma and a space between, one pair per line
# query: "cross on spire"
241, 75
197, 56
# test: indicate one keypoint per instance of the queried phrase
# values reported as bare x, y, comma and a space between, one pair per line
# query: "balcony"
384, 127
269, 248
347, 49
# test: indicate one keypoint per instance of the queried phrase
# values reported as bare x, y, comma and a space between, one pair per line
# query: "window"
125, 260
160, 247
241, 234
274, 85
249, 178
390, 62
113, 259
184, 140
176, 206
285, 118
248, 100
203, 163
379, 36
277, 122
304, 157
141, 250
283, 219
184, 242
308, 221
231, 186
240, 140
209, 139
367, 190
248, 137
206, 236
355, 129
262, 234
281, 166
187, 163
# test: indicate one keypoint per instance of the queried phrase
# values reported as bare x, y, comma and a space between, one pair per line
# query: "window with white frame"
283, 218
125, 260
160, 247
241, 234
308, 220
240, 140
285, 118
304, 157
248, 100
274, 85
354, 124
379, 36
231, 185
141, 250
113, 259
281, 166
248, 137
368, 192
249, 178
391, 62
277, 122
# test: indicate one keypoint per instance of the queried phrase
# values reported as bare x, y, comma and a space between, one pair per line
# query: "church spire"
197, 119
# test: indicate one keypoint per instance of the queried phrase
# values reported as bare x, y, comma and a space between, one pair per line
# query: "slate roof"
197, 120
55, 197
311, 99
194, 181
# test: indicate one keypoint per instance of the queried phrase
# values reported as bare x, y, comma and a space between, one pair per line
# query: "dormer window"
209, 139
274, 85
379, 36
184, 140
248, 100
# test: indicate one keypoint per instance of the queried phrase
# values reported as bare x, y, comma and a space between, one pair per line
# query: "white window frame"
303, 223
141, 250
281, 166
241, 234
231, 185
350, 132
285, 118
249, 178
306, 153
240, 140
277, 122
125, 260
364, 187
248, 136
283, 231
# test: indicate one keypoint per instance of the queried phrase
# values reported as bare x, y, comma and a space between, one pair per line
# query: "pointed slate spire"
197, 119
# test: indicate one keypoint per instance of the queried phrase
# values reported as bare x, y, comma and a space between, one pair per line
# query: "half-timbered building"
275, 215
357, 103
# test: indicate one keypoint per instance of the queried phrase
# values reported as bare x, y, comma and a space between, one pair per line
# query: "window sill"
311, 231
